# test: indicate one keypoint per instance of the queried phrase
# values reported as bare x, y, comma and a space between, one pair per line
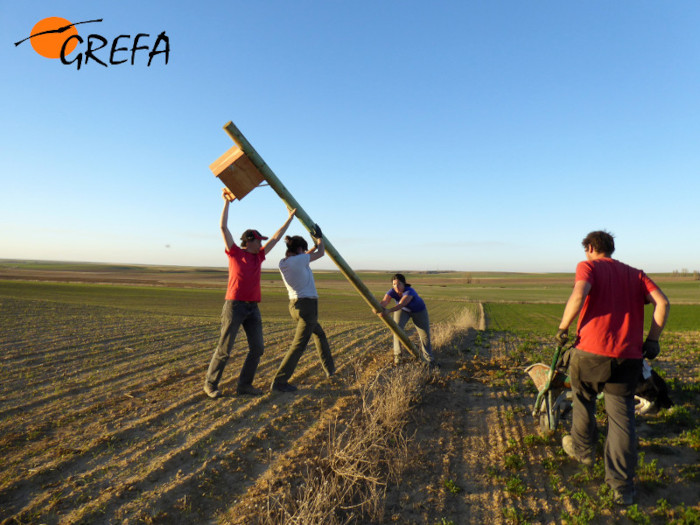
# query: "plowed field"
103, 420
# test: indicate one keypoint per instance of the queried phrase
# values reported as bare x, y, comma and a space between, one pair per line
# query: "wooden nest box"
237, 172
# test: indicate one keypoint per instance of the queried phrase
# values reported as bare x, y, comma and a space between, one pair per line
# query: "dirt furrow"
113, 446
134, 366
77, 362
107, 397
235, 442
487, 462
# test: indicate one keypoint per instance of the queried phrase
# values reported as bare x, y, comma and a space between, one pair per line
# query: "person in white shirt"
303, 306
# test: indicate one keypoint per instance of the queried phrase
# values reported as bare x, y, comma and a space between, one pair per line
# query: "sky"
448, 135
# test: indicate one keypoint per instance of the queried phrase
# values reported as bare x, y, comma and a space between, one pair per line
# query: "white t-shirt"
297, 277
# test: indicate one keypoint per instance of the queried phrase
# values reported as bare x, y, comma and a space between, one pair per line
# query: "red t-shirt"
611, 322
244, 274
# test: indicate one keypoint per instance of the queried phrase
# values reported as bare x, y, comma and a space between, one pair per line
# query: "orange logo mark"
49, 35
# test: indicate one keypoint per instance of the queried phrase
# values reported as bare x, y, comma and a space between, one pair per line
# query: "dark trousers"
234, 315
592, 374
305, 313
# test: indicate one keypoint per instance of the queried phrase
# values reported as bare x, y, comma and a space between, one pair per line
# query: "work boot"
567, 444
624, 498
248, 390
284, 387
211, 391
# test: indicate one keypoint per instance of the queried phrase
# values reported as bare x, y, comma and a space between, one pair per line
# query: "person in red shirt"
241, 305
609, 298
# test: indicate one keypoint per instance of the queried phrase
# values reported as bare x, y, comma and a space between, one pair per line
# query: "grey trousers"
234, 315
617, 378
305, 313
422, 323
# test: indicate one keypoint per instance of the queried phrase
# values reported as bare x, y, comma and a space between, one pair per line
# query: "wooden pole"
306, 221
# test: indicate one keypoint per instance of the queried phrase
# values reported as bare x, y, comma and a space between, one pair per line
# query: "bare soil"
478, 456
103, 420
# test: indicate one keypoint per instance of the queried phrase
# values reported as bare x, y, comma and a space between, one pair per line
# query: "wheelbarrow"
554, 398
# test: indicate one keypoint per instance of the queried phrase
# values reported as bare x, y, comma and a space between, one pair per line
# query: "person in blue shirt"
409, 305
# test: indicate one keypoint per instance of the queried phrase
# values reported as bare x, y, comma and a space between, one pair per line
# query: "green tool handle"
540, 395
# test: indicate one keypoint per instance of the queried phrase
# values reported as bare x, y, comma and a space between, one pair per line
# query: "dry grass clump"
446, 334
363, 455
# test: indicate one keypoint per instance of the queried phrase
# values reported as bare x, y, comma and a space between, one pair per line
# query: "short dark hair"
400, 277
601, 241
295, 242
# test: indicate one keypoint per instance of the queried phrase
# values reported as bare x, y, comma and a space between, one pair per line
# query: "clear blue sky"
447, 135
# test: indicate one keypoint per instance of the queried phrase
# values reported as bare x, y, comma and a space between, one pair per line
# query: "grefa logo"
56, 37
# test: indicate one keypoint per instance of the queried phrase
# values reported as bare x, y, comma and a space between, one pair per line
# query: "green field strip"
545, 318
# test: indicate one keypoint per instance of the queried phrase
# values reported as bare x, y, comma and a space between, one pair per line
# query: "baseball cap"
251, 235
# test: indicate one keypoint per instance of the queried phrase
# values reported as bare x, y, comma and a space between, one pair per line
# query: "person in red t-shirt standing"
609, 299
241, 305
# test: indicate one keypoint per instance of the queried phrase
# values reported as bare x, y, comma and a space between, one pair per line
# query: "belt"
245, 302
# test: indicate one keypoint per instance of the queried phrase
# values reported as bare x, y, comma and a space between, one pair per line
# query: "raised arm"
228, 238
319, 249
279, 233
